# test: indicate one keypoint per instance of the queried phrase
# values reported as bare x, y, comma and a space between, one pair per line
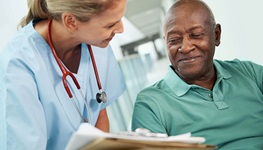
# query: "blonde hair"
83, 10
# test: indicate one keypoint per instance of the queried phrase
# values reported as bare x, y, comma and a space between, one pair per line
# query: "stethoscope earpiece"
101, 97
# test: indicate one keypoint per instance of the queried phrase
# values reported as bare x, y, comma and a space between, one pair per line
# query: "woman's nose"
119, 28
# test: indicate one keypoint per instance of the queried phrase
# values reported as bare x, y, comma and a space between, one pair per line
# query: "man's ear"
69, 21
217, 34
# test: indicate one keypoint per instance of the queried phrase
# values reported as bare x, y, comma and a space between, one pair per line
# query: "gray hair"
181, 2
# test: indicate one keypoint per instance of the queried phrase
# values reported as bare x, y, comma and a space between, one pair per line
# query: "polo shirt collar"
175, 83
221, 71
180, 87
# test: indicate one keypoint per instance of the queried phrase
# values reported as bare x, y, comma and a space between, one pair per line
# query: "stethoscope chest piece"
101, 97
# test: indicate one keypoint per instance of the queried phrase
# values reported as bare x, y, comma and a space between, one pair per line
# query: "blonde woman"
56, 71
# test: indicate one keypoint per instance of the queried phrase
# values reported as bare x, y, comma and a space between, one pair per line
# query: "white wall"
12, 11
241, 23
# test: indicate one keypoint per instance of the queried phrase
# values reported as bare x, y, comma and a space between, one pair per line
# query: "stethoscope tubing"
66, 73
95, 67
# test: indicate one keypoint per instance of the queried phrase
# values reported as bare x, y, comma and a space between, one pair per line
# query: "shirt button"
210, 95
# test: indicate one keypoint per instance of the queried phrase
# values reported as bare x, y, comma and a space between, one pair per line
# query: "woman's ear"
217, 34
69, 21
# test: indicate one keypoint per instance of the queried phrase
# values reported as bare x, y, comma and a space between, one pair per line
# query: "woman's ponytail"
36, 9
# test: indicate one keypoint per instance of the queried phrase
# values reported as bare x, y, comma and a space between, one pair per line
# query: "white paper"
88, 133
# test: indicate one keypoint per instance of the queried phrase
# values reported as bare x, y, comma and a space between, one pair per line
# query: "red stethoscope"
100, 96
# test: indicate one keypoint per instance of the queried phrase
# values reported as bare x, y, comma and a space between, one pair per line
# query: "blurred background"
141, 52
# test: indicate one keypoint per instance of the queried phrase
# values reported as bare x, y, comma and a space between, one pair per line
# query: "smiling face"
191, 37
101, 28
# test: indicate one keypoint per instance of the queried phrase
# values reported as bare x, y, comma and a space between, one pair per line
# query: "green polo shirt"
229, 116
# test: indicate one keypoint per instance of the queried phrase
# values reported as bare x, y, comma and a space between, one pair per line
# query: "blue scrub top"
36, 112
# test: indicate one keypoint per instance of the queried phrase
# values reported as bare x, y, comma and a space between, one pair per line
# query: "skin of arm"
103, 121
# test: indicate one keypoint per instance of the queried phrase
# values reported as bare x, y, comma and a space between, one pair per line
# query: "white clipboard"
89, 135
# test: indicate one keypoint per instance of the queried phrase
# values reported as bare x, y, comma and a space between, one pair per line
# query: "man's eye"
197, 35
110, 26
174, 40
